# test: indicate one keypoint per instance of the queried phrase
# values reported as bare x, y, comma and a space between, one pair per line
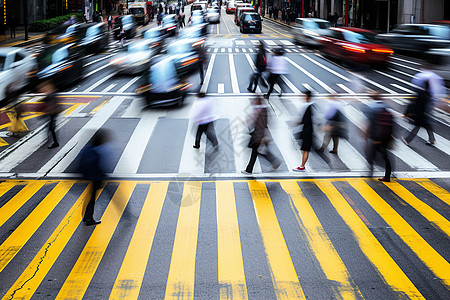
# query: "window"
2, 63
19, 56
360, 37
251, 17
136, 11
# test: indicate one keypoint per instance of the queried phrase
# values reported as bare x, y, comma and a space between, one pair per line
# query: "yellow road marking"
27, 228
244, 36
369, 245
36, 271
284, 277
181, 279
4, 188
258, 35
70, 110
285, 35
424, 209
435, 190
232, 283
129, 280
217, 28
430, 257
329, 259
81, 275
98, 107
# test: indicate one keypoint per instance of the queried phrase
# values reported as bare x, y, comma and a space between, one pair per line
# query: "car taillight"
354, 49
171, 27
189, 61
198, 43
380, 50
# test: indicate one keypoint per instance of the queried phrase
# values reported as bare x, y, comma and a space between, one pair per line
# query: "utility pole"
25, 21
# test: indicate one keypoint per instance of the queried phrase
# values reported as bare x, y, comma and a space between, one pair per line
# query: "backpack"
382, 124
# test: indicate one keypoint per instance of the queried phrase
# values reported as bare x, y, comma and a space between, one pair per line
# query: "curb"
277, 22
24, 43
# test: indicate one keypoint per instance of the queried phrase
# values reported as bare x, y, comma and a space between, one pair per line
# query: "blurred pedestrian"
260, 136
277, 66
121, 36
93, 166
335, 125
110, 22
379, 133
12, 24
260, 64
181, 19
71, 21
430, 87
51, 108
336, 17
307, 133
204, 116
202, 57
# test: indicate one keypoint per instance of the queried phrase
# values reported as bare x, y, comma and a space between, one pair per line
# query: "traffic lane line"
270, 28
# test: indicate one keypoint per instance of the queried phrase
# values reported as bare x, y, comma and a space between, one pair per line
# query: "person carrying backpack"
381, 123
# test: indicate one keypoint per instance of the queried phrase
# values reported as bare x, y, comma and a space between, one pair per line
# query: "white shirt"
203, 111
277, 64
436, 83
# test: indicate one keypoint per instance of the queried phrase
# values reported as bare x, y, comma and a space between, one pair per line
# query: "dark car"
170, 24
184, 56
66, 34
417, 37
96, 38
250, 21
354, 45
61, 63
161, 85
129, 26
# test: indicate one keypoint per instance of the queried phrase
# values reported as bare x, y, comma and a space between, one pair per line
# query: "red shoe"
384, 179
299, 169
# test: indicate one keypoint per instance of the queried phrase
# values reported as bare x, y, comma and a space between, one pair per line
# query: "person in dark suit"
307, 133
13, 24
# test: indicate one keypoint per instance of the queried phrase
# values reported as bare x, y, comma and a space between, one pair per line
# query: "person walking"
260, 64
110, 22
13, 24
277, 66
430, 87
335, 126
51, 108
202, 57
121, 36
307, 133
259, 136
379, 133
204, 116
93, 166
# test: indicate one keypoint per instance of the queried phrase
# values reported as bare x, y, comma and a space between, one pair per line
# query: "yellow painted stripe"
424, 209
71, 109
435, 189
330, 261
232, 283
435, 262
217, 28
4, 188
180, 282
36, 271
129, 280
285, 35
98, 107
23, 233
81, 275
284, 276
369, 245
16, 202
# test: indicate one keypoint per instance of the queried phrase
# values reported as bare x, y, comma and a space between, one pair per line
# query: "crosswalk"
226, 239
149, 142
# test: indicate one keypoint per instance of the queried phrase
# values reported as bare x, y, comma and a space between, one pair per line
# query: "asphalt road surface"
180, 223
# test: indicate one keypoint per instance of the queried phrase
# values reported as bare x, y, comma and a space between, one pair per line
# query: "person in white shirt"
204, 116
277, 66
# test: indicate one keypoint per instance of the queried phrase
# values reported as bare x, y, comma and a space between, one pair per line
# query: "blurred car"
198, 21
308, 31
129, 26
250, 21
440, 59
157, 35
170, 24
96, 38
184, 56
199, 5
354, 45
137, 57
417, 37
61, 63
197, 13
194, 35
161, 85
212, 15
239, 11
66, 34
229, 9
16, 68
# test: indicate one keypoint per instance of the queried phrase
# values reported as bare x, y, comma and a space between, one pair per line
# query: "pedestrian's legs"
252, 161
305, 156
201, 128
278, 80
429, 129
371, 150
271, 158
412, 134
272, 79
211, 134
51, 128
89, 213
384, 152
326, 141
335, 143
201, 72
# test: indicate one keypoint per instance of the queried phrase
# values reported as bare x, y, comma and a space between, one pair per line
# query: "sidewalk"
19, 40
278, 22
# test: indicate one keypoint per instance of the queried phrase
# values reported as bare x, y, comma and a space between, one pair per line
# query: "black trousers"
414, 132
89, 214
52, 126
200, 69
254, 81
380, 148
268, 155
273, 78
207, 128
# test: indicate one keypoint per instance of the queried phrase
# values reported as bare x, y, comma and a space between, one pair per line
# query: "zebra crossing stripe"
317, 80
436, 190
84, 269
231, 274
282, 270
370, 246
330, 261
129, 280
26, 229
41, 264
430, 257
181, 277
424, 209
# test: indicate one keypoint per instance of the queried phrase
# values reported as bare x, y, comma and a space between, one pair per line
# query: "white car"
213, 15
16, 68
441, 62
136, 59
